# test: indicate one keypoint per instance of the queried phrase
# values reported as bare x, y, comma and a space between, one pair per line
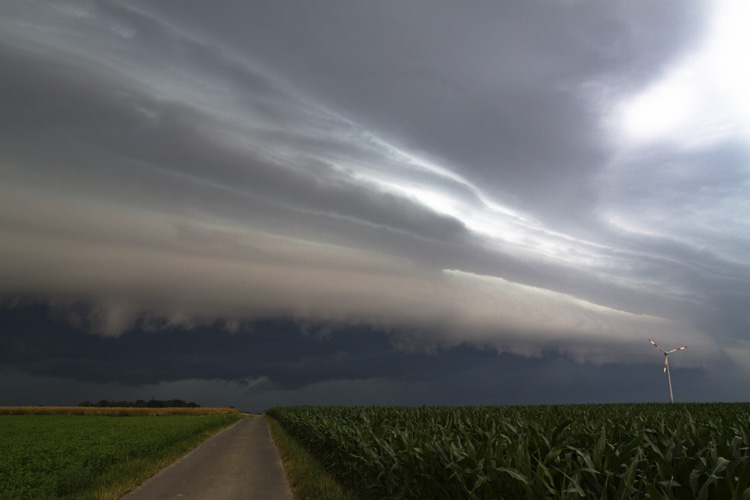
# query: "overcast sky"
336, 202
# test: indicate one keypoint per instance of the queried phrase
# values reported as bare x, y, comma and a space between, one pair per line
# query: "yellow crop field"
111, 412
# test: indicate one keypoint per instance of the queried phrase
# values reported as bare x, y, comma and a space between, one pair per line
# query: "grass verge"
307, 476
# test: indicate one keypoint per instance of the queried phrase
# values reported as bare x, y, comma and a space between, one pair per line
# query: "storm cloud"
418, 184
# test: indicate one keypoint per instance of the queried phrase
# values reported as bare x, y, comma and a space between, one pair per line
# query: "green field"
632, 451
92, 457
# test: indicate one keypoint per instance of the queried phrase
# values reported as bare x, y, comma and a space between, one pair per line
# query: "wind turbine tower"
666, 365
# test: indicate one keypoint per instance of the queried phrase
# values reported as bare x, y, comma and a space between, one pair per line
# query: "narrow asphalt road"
239, 463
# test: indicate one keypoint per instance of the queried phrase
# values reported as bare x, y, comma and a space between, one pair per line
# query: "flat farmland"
615, 451
62, 456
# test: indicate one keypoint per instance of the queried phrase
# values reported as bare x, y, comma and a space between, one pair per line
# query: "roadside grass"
65, 457
307, 477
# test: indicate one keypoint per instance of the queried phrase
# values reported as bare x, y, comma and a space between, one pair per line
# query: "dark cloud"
43, 341
281, 361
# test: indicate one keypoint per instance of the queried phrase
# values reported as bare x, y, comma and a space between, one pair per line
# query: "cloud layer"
528, 179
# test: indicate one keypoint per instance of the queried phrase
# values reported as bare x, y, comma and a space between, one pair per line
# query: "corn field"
681, 451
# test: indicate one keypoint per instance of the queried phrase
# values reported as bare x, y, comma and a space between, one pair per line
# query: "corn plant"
683, 451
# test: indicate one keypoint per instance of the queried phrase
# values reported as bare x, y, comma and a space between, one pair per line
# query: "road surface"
239, 463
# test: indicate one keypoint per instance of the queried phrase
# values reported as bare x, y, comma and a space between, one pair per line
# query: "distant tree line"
152, 403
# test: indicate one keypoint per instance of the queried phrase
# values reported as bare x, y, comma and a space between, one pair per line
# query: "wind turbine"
666, 365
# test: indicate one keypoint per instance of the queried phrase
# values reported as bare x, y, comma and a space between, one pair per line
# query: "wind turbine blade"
666, 362
657, 346
678, 349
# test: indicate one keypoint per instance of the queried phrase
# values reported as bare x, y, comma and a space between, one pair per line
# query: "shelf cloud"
542, 183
